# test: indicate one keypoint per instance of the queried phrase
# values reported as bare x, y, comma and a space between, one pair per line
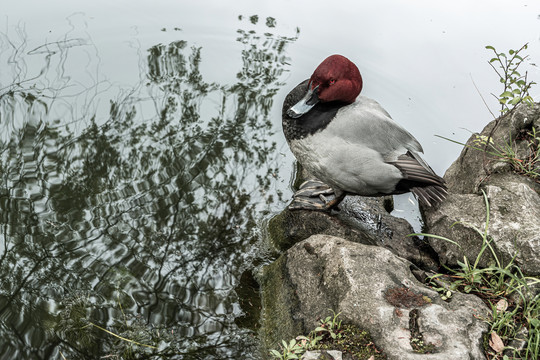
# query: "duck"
350, 143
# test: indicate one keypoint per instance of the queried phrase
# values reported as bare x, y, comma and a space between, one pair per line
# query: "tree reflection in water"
141, 225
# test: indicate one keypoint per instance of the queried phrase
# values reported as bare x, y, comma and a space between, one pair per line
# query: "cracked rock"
373, 289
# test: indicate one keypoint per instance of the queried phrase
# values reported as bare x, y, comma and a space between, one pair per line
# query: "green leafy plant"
523, 159
328, 326
505, 289
516, 86
290, 350
330, 334
515, 91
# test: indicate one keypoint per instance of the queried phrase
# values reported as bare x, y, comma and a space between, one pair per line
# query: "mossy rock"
278, 299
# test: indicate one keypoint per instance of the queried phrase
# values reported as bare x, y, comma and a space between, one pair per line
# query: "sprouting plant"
514, 311
516, 87
525, 164
444, 289
290, 350
529, 165
331, 335
331, 325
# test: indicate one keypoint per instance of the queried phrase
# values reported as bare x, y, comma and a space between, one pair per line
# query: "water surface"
141, 152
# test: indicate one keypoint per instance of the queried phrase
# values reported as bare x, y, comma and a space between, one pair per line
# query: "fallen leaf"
502, 305
496, 343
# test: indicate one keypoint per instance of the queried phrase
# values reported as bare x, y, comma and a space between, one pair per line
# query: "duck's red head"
337, 79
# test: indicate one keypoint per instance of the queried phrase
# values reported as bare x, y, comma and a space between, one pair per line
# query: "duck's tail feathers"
430, 195
420, 179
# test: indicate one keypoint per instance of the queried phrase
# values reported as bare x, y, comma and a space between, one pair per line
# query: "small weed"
331, 325
522, 164
419, 346
516, 88
330, 334
515, 309
290, 350
515, 91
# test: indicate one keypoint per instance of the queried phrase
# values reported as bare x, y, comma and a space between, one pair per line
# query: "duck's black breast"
313, 121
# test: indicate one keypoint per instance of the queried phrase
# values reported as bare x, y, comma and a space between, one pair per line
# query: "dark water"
145, 221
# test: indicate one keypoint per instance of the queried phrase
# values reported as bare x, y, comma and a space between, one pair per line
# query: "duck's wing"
366, 122
371, 125
420, 179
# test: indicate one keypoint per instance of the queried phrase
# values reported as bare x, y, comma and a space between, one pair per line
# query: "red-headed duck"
350, 142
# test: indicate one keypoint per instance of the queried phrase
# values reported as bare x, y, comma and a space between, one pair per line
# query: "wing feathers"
419, 178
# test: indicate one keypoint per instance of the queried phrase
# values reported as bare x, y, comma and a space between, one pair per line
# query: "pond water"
141, 152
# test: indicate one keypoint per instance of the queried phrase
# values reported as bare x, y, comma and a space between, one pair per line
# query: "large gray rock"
360, 219
513, 228
514, 203
366, 220
474, 168
373, 289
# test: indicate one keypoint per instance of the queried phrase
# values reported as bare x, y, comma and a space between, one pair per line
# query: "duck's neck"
311, 122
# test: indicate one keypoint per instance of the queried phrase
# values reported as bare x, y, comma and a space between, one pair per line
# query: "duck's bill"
304, 105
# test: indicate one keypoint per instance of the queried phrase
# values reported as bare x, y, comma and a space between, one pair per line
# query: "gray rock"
366, 220
322, 355
359, 219
514, 225
514, 216
372, 216
373, 289
474, 167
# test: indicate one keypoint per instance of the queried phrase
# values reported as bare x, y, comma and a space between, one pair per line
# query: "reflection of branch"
54, 91
58, 46
16, 50
22, 284
157, 203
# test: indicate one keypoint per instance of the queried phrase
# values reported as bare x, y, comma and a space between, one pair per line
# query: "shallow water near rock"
141, 153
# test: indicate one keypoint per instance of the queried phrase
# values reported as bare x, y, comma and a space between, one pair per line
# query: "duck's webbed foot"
315, 195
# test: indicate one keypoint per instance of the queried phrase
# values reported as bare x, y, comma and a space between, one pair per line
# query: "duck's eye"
332, 82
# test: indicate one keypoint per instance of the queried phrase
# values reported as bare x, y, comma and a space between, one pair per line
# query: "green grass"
523, 164
515, 307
